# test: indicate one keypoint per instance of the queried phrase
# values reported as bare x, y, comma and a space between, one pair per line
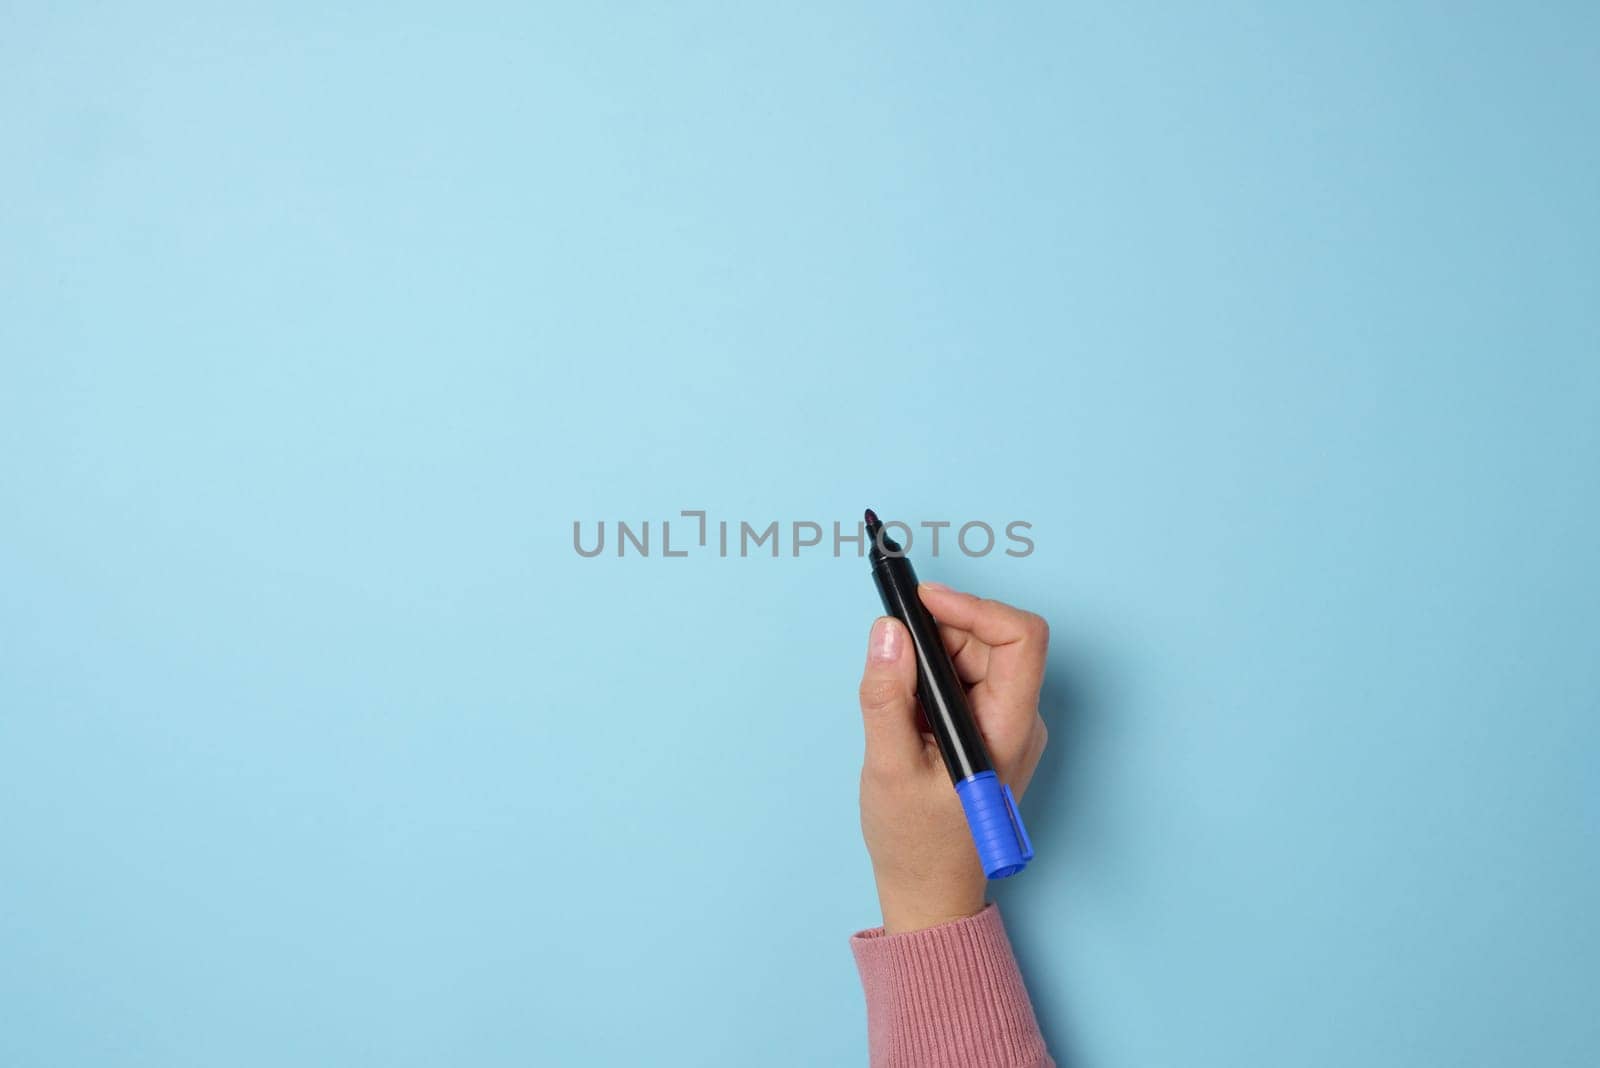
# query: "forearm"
948, 996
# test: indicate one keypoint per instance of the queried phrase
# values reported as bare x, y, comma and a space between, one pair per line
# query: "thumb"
888, 697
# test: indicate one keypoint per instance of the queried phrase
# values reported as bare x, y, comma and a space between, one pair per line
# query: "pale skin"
923, 858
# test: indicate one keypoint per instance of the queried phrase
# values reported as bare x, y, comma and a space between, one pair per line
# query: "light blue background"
320, 326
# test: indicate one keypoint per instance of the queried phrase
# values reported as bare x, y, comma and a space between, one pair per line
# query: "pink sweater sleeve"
948, 996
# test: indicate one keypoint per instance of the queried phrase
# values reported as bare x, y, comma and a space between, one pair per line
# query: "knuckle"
1037, 629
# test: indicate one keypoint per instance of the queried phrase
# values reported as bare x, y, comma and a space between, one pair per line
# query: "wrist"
904, 912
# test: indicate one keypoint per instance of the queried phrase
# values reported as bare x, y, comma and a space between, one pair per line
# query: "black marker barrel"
939, 689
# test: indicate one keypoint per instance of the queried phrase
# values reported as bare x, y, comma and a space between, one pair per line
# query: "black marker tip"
872, 518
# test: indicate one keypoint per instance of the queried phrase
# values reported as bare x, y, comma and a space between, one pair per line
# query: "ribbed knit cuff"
947, 996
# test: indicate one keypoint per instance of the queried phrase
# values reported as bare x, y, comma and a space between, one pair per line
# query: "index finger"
992, 622
1010, 644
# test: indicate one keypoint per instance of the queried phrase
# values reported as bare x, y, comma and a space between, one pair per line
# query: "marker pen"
992, 815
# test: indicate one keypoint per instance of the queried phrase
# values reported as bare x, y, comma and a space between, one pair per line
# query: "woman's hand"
922, 853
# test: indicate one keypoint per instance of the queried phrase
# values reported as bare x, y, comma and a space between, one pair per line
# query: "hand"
922, 853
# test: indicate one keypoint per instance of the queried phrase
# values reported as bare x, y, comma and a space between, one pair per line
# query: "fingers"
888, 698
991, 622
996, 647
970, 656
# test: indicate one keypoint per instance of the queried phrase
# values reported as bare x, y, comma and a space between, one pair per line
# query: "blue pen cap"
997, 828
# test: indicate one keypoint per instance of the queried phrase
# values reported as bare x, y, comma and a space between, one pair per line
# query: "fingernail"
884, 645
941, 587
